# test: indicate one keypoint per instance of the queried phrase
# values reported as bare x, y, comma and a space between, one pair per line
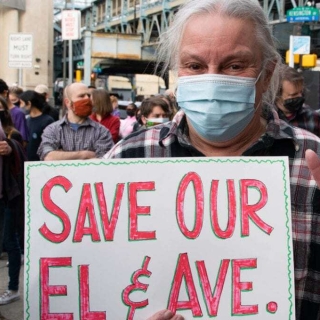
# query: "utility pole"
64, 71
71, 54
134, 17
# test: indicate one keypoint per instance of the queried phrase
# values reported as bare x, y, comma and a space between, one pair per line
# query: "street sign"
70, 24
20, 50
97, 70
303, 14
80, 65
301, 45
298, 45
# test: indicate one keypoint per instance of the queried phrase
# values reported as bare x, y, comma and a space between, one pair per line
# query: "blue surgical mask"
219, 107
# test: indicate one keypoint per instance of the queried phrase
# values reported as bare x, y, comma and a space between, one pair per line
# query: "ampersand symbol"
136, 285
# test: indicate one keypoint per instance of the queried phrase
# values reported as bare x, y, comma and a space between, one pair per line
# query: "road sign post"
298, 45
70, 31
20, 50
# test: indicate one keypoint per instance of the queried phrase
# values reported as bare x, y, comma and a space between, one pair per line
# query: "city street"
14, 310
160, 159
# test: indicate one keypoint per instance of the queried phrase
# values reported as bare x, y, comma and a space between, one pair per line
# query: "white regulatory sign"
70, 25
301, 45
20, 50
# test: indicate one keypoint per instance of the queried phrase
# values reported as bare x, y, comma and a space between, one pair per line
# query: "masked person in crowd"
290, 101
114, 102
172, 104
7, 123
32, 103
126, 125
154, 111
228, 72
43, 90
103, 112
12, 157
15, 140
17, 115
75, 136
14, 93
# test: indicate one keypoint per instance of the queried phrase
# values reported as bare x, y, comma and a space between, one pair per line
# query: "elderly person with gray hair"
227, 66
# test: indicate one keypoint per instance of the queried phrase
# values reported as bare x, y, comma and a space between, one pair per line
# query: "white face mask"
154, 121
219, 107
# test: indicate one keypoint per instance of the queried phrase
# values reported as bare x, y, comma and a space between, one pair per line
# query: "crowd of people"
234, 97
33, 130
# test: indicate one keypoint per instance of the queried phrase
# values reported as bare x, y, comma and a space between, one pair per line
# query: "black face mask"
2, 116
17, 103
130, 113
294, 104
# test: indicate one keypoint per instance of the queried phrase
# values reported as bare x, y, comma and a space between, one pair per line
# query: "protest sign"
122, 239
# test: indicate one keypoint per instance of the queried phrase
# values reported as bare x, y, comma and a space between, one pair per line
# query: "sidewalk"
14, 310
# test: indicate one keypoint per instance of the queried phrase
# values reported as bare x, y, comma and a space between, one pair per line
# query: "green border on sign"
30, 165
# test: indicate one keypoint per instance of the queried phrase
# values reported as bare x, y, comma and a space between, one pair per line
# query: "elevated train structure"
119, 37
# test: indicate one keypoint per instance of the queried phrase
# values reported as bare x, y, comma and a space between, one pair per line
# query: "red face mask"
82, 108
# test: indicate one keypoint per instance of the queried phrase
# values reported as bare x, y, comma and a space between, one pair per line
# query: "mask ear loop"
262, 69
258, 78
260, 103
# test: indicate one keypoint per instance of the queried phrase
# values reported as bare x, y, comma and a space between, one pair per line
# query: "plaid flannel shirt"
280, 139
305, 118
90, 136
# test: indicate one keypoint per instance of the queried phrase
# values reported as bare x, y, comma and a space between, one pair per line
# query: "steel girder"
276, 9
147, 17
152, 17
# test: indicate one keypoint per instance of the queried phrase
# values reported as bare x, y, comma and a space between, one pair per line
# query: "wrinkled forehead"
220, 33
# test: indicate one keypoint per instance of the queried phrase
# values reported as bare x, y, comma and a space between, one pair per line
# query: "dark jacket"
13, 171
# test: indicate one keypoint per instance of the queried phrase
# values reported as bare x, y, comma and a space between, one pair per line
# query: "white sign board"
20, 50
301, 45
70, 24
122, 239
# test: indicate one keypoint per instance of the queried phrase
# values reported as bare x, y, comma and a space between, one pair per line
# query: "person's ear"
143, 119
67, 102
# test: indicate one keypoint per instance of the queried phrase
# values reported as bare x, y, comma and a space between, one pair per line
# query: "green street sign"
303, 14
80, 65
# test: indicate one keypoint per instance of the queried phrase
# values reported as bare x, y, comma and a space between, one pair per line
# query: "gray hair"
249, 10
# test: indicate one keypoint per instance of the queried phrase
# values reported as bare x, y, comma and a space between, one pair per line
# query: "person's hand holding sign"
313, 162
166, 315
5, 149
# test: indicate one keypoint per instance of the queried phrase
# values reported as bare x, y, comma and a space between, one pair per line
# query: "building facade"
29, 17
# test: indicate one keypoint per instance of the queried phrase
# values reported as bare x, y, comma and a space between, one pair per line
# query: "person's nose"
212, 69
